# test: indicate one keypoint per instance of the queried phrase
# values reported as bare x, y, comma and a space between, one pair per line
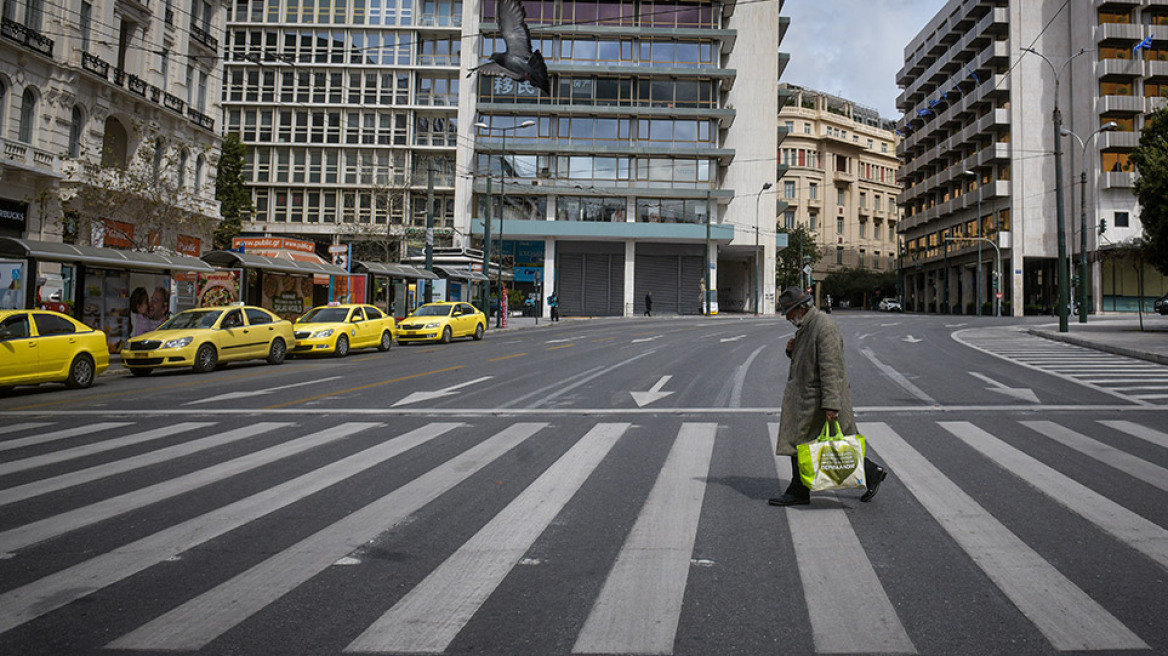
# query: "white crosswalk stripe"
1124, 377
639, 607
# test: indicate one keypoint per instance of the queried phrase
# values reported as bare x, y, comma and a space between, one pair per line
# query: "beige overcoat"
817, 380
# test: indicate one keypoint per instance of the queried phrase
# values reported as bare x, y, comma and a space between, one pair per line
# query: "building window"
199, 164
813, 191
27, 115
863, 231
806, 128
839, 254
789, 189
76, 126
789, 219
813, 218
182, 169
860, 259
839, 225
789, 125
863, 199
1121, 220
839, 197
159, 150
86, 24
884, 148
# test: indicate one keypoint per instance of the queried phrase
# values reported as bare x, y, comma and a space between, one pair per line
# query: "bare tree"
143, 201
373, 219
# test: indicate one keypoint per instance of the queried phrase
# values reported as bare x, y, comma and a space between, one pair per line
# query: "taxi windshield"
433, 311
325, 315
192, 319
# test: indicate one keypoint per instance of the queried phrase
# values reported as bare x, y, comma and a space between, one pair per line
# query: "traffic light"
1074, 281
995, 283
1102, 226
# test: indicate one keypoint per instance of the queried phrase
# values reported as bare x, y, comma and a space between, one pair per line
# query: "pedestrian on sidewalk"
554, 303
648, 304
816, 392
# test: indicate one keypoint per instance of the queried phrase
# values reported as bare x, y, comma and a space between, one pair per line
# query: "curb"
1106, 348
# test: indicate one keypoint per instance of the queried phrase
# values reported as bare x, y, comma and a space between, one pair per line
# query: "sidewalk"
1115, 334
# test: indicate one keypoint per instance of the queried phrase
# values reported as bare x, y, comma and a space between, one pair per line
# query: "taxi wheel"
140, 371
277, 352
446, 335
342, 347
478, 334
386, 341
81, 372
205, 358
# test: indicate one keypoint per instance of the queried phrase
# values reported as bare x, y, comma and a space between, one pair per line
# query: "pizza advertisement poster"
219, 288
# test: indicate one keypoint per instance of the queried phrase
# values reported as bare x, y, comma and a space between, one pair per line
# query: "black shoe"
788, 499
874, 480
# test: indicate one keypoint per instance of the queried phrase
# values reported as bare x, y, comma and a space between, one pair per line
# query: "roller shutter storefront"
591, 278
673, 272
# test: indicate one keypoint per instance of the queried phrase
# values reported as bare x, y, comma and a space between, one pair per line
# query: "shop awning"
457, 273
393, 270
234, 260
48, 251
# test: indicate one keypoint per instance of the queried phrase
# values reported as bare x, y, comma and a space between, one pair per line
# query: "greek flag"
973, 75
924, 112
1146, 44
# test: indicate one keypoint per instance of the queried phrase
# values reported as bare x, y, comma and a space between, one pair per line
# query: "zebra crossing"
1126, 378
62, 484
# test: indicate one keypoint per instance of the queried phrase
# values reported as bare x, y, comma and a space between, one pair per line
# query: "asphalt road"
592, 487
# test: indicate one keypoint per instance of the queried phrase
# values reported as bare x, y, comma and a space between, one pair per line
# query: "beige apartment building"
841, 179
980, 83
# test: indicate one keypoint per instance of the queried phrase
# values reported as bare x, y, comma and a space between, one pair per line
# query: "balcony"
1122, 104
200, 119
23, 156
1119, 180
204, 37
1118, 68
26, 37
136, 85
95, 65
1119, 31
1121, 140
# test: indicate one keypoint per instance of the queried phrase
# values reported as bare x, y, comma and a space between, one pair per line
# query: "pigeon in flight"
518, 62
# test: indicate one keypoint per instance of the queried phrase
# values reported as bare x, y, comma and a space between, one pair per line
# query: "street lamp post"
997, 264
1060, 210
1106, 127
757, 259
502, 198
979, 234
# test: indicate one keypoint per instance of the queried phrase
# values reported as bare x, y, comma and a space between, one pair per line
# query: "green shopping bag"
834, 461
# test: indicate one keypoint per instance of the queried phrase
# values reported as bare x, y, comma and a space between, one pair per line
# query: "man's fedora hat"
791, 298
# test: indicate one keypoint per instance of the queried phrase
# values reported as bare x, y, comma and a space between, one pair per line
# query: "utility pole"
487, 253
430, 230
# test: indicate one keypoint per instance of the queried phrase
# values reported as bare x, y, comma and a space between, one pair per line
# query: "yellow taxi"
441, 322
206, 338
337, 328
39, 346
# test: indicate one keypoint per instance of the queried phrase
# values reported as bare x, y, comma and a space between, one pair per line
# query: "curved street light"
757, 260
487, 223
1106, 127
1060, 209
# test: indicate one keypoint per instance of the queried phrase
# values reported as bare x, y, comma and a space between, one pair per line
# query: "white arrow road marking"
732, 339
1020, 393
647, 339
912, 340
654, 393
437, 394
259, 392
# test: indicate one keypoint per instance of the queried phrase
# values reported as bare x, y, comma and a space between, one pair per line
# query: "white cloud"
853, 48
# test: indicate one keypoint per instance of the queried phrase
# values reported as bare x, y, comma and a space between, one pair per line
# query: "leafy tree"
1151, 188
234, 198
144, 200
790, 261
860, 287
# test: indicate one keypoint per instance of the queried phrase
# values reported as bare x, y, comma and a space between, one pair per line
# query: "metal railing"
26, 36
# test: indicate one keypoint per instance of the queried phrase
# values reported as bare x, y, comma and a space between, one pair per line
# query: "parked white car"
890, 305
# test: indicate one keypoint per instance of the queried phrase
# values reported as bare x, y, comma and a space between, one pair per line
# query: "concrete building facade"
840, 181
979, 136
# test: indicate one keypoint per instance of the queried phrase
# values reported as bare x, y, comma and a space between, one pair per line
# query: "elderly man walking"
816, 392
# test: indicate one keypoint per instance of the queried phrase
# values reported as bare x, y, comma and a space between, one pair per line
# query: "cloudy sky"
853, 48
